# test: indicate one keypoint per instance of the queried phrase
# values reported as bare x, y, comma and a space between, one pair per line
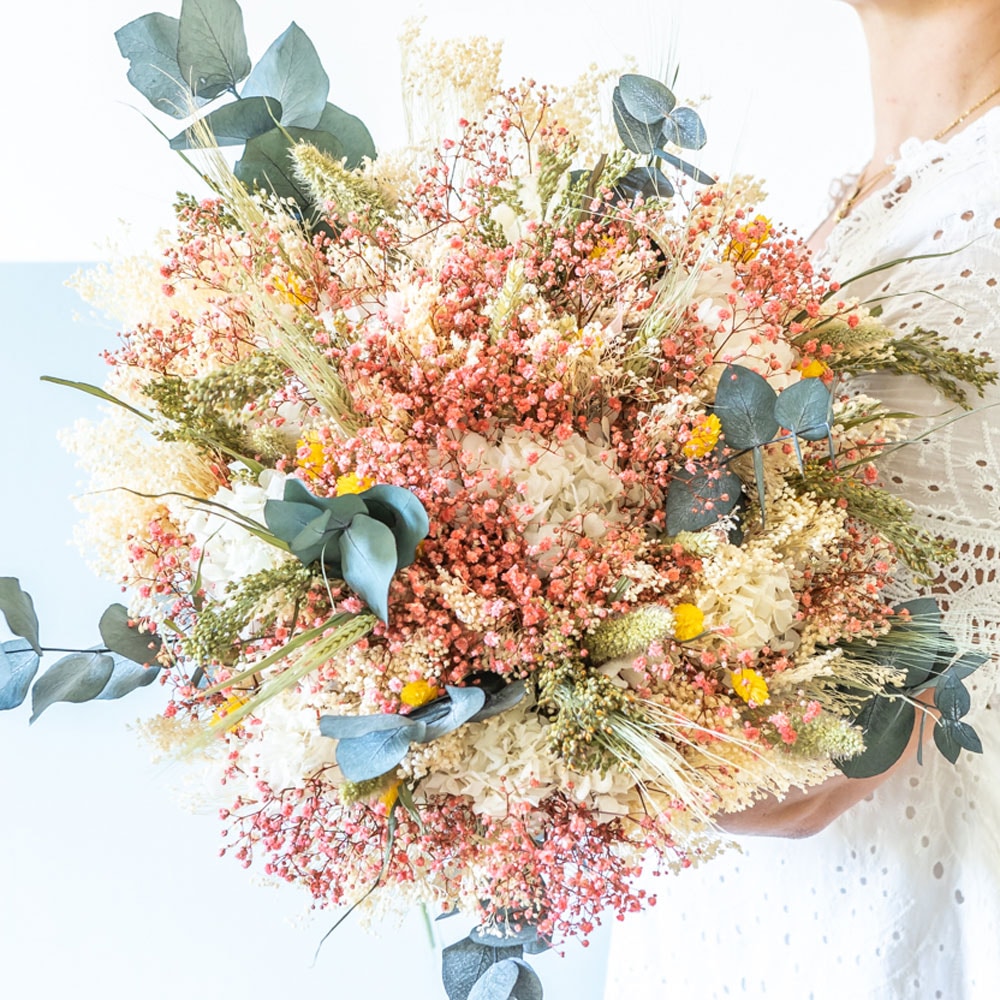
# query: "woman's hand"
804, 812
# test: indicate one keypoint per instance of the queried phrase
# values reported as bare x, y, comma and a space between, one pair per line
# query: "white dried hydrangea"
228, 551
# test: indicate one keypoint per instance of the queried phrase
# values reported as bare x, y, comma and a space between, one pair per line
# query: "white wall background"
106, 888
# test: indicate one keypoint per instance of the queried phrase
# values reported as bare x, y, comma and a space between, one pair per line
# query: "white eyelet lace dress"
900, 897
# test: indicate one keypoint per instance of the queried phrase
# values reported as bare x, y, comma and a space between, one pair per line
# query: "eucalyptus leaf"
212, 46
150, 45
525, 936
18, 666
951, 698
945, 739
642, 182
233, 124
966, 737
887, 725
377, 753
266, 162
511, 979
405, 516
296, 491
76, 678
462, 705
805, 409
645, 99
127, 676
538, 947
19, 610
464, 962
344, 727
126, 639
291, 71
744, 404
637, 135
695, 173
496, 702
968, 663
683, 127
309, 543
351, 132
915, 644
287, 518
368, 562
697, 500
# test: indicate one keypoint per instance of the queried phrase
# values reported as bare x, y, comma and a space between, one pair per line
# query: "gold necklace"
864, 185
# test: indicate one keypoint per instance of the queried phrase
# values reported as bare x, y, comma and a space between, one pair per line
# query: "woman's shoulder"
941, 196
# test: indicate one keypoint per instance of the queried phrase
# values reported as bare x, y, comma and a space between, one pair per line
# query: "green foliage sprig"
890, 516
125, 662
925, 655
182, 64
212, 407
926, 353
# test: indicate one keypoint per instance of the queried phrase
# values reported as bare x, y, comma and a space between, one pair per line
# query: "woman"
900, 895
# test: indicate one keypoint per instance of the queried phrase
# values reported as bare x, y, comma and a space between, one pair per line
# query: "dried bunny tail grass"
330, 183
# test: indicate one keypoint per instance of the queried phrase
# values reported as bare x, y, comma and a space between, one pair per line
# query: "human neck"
931, 60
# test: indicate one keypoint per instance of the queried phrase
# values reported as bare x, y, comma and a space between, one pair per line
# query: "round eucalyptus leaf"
309, 543
744, 404
499, 701
234, 123
698, 500
462, 704
291, 71
266, 162
403, 513
351, 132
368, 562
637, 135
804, 408
19, 610
125, 639
18, 666
150, 45
343, 727
683, 127
945, 739
952, 698
75, 678
464, 962
645, 99
511, 979
644, 182
377, 753
212, 46
126, 677
887, 725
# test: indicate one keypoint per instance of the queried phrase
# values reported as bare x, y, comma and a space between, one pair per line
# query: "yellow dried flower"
230, 705
309, 455
750, 686
704, 436
353, 483
418, 693
388, 798
814, 369
746, 245
689, 622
